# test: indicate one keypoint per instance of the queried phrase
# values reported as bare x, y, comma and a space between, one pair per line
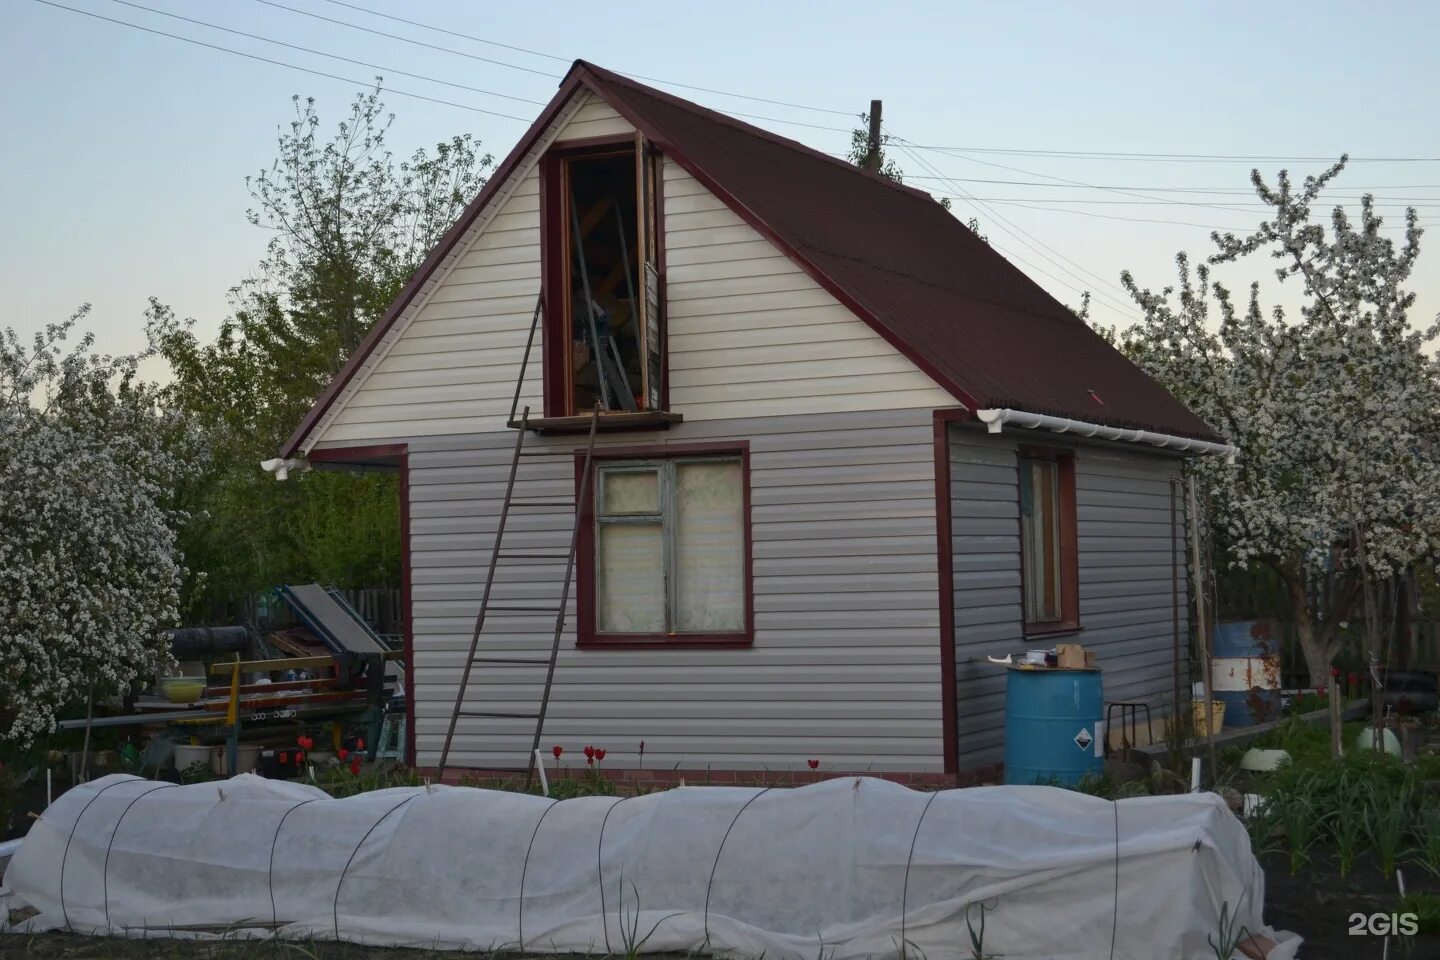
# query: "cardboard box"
1073, 656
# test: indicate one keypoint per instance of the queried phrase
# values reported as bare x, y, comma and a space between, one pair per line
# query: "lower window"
668, 551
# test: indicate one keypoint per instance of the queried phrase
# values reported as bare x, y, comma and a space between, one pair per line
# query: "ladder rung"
512, 716
535, 662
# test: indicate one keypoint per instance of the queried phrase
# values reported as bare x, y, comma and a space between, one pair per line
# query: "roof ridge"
752, 130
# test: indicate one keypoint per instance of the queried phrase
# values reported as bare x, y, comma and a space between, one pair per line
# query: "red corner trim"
945, 564
399, 455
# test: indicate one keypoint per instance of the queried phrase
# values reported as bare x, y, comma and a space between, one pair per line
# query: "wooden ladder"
498, 554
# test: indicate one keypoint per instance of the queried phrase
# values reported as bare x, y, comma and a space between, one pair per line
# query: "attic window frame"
557, 377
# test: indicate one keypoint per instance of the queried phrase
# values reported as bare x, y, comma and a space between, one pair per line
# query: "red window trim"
398, 456
554, 246
586, 636
1069, 621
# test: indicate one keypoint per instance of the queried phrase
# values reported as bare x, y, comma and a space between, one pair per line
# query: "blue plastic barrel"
1245, 669
1052, 726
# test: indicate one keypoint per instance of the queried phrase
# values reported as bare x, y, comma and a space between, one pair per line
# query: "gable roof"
922, 279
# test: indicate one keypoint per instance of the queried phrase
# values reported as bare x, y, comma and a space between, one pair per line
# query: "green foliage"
1363, 802
198, 772
1229, 931
1388, 816
1426, 907
347, 226
977, 935
338, 781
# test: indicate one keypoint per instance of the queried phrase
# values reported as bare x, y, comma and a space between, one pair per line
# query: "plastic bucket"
1217, 716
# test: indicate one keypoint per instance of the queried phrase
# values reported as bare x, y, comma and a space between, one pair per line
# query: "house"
854, 451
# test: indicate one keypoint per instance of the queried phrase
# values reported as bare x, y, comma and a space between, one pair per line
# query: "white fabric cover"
816, 871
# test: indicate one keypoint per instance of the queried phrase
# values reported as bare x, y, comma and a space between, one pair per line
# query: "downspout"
995, 420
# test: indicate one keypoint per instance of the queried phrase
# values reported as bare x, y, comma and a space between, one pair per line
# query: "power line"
332, 56
1036, 205
280, 63
1082, 183
1101, 297
453, 33
1258, 204
418, 43
1168, 157
1021, 234
1200, 190
502, 63
552, 56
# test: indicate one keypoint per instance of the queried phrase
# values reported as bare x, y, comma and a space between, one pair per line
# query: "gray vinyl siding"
845, 664
1122, 498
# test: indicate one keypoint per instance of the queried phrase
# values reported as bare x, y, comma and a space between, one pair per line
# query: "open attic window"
603, 292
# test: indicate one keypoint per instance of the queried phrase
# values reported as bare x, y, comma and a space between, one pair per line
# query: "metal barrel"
1053, 731
1245, 668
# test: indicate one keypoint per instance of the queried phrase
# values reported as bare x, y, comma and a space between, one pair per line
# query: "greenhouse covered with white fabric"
852, 867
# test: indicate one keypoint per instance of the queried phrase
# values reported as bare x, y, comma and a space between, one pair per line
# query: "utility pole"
872, 148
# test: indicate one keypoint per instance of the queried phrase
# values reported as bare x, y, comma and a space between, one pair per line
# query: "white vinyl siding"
750, 334
846, 659
1126, 545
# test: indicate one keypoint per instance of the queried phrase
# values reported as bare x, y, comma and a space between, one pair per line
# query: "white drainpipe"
996, 419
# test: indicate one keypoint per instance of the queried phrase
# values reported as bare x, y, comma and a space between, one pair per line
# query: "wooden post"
872, 147
1372, 643
1337, 748
1202, 621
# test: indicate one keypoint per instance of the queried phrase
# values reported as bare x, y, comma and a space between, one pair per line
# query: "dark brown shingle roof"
941, 295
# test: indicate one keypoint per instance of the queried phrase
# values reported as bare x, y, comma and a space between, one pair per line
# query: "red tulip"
359, 743
355, 766
299, 757
599, 753
342, 753
814, 764
1354, 678
589, 752
557, 750
305, 742
1335, 672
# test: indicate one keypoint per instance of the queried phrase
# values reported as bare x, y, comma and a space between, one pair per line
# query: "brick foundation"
627, 779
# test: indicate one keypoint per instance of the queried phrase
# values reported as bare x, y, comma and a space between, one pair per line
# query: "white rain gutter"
996, 419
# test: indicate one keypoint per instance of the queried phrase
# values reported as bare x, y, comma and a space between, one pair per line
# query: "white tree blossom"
89, 574
1335, 413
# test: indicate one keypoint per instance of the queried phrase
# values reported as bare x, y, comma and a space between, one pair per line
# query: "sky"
124, 153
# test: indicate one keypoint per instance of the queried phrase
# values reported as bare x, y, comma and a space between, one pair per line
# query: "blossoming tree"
89, 573
1336, 412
